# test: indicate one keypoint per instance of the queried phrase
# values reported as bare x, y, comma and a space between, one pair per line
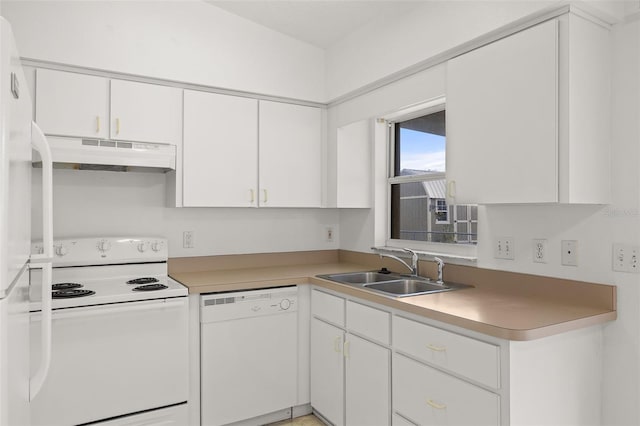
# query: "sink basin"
391, 285
360, 277
407, 287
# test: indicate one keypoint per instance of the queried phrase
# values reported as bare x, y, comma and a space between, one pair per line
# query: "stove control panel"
106, 250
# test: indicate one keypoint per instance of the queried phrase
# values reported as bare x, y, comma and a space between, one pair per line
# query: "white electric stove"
96, 271
119, 335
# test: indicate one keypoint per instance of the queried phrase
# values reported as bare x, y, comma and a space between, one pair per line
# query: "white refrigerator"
20, 138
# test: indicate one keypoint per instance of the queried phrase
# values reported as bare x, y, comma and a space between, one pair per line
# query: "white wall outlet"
625, 258
540, 251
569, 252
329, 234
187, 239
504, 248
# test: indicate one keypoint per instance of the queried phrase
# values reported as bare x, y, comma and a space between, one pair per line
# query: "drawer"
328, 307
476, 360
369, 322
398, 420
428, 396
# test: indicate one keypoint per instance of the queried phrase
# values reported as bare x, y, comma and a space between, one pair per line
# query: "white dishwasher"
249, 354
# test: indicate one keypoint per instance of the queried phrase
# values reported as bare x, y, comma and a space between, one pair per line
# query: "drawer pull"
437, 348
435, 405
337, 343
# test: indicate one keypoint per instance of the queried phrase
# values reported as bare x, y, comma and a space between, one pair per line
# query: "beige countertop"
511, 312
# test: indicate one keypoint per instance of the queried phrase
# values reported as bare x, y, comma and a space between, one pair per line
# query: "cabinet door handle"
435, 405
436, 348
97, 124
337, 343
264, 193
117, 126
251, 196
347, 351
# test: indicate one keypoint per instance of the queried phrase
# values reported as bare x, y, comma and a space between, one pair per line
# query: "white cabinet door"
502, 120
327, 371
354, 165
70, 104
220, 150
290, 155
368, 383
146, 112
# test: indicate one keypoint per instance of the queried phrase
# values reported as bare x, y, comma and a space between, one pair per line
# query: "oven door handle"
117, 308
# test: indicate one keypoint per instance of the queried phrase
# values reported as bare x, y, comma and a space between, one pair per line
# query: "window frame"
458, 253
437, 209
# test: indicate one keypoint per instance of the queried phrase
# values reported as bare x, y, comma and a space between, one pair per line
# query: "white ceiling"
318, 22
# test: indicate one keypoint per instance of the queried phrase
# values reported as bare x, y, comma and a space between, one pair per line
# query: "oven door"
112, 360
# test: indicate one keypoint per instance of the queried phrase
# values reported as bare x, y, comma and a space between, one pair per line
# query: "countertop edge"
276, 279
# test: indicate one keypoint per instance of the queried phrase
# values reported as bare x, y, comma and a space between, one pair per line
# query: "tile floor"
309, 420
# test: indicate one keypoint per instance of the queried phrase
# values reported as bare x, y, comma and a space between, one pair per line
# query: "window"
419, 208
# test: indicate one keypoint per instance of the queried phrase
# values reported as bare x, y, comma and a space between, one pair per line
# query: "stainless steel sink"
392, 285
361, 277
407, 287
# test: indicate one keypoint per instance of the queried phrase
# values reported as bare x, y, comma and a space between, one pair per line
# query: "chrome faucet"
440, 263
414, 260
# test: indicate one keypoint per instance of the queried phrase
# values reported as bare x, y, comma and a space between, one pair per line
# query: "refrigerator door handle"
36, 382
43, 261
40, 144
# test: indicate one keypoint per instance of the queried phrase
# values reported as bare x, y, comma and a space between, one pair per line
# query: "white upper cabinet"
77, 105
69, 104
354, 165
239, 152
291, 163
220, 150
527, 117
146, 112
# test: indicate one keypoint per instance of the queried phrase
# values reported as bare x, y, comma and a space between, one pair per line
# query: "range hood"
110, 155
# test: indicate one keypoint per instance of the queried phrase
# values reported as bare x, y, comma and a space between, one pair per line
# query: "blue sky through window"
421, 151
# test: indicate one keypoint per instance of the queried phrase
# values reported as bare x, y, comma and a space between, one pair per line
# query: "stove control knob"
143, 246
61, 250
285, 304
157, 246
104, 245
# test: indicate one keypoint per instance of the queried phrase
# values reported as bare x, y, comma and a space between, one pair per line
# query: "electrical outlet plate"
504, 248
569, 252
187, 239
540, 251
329, 234
625, 258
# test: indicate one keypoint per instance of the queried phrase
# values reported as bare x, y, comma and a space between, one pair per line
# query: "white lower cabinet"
368, 382
327, 371
430, 397
380, 366
350, 375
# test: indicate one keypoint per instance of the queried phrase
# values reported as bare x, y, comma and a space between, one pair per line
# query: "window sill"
457, 254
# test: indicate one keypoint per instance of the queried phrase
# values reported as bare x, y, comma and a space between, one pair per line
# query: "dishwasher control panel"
247, 304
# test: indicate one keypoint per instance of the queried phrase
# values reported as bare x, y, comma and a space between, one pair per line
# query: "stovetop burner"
65, 286
66, 294
150, 287
145, 280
